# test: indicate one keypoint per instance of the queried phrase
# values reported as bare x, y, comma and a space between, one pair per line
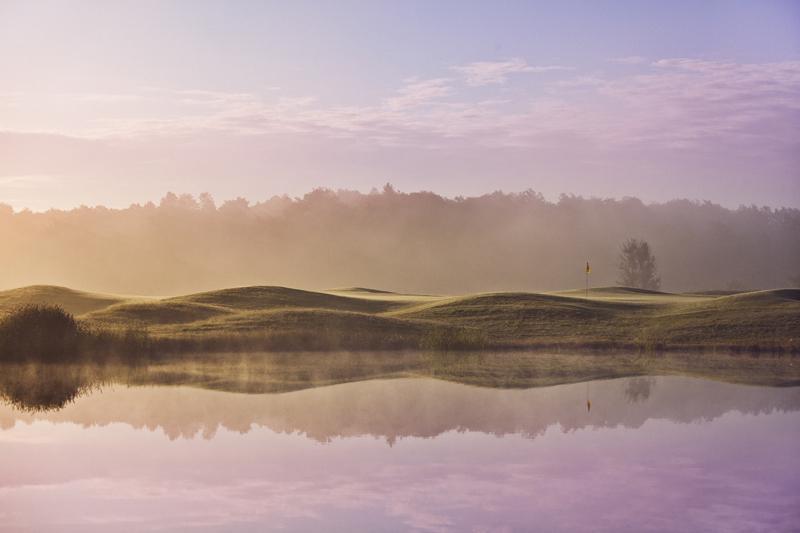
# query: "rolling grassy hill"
280, 318
75, 302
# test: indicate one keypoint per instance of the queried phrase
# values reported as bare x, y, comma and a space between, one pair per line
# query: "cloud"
497, 72
687, 113
669, 103
690, 102
417, 92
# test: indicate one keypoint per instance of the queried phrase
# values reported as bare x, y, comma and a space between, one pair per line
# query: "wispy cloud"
482, 73
417, 92
684, 103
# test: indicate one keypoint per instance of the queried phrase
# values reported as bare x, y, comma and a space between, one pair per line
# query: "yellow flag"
588, 268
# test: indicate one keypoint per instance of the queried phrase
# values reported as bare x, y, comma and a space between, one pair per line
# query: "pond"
663, 453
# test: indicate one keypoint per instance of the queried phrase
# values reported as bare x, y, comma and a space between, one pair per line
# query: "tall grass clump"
49, 334
42, 332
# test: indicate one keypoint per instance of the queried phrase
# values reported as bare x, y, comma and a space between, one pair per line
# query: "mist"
411, 242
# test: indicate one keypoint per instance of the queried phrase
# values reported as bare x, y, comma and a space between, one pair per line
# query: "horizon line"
187, 198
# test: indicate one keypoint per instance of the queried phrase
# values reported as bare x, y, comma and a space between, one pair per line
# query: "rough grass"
278, 318
626, 318
753, 320
295, 329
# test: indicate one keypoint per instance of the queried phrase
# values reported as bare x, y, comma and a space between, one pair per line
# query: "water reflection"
638, 389
122, 449
35, 387
413, 407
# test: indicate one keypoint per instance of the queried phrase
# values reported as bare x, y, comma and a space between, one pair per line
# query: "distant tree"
206, 202
637, 266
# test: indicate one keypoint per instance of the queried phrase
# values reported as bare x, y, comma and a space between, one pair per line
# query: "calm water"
652, 454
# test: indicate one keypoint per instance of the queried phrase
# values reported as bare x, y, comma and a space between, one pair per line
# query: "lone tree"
637, 266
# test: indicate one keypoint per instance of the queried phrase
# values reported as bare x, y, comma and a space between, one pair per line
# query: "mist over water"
407, 242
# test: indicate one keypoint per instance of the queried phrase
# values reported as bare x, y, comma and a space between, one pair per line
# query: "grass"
72, 301
620, 318
283, 319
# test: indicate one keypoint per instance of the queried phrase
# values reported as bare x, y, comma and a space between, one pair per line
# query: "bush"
42, 332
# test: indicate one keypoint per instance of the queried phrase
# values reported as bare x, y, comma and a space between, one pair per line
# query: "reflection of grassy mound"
72, 301
46, 386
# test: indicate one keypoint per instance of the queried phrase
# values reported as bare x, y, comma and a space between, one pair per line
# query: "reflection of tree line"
638, 389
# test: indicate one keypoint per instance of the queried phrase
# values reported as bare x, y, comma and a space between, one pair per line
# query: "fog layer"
418, 242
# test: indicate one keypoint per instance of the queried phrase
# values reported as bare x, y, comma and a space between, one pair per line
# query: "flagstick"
588, 270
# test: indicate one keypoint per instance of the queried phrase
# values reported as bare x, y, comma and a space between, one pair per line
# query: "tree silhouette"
637, 266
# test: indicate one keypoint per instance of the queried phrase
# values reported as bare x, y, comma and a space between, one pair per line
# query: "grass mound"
617, 290
714, 292
752, 321
764, 302
315, 329
509, 305
769, 297
283, 319
154, 313
71, 301
630, 294
363, 289
267, 297
518, 318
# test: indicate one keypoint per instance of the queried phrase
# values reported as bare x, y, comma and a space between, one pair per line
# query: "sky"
114, 102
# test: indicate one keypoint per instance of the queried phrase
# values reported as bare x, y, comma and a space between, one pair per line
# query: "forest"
417, 242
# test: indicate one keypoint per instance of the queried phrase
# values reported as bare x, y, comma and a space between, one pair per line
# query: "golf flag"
588, 268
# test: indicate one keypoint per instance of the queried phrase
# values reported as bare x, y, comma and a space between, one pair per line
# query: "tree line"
419, 242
